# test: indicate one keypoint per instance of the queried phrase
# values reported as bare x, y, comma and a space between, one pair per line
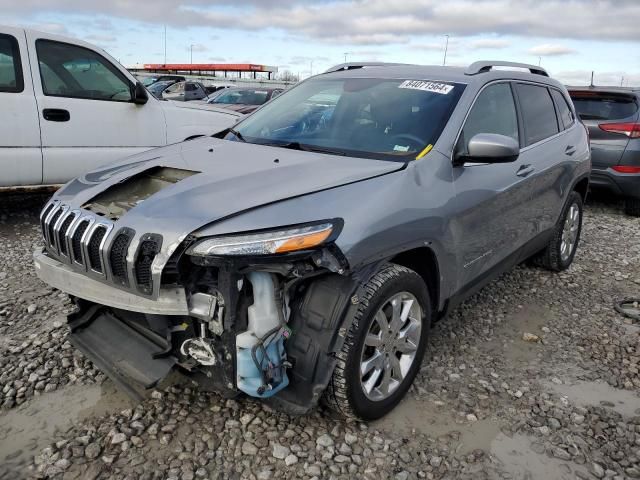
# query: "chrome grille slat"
88, 243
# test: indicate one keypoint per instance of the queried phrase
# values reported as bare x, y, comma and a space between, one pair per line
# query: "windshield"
157, 88
149, 81
244, 97
362, 117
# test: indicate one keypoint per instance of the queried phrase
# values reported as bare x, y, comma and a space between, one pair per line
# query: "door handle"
570, 150
56, 115
525, 170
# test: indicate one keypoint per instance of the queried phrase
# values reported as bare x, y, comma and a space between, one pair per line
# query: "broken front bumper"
57, 274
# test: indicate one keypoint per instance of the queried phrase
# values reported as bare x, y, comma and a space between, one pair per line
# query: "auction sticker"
434, 87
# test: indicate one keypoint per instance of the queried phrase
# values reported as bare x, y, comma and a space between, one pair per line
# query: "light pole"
446, 47
165, 44
311, 69
345, 56
539, 60
192, 53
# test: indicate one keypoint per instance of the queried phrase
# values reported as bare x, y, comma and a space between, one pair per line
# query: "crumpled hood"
234, 177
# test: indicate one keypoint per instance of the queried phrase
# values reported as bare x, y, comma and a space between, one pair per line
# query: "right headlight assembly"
264, 243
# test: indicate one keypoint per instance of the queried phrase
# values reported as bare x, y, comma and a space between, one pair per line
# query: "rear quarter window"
538, 112
590, 106
564, 111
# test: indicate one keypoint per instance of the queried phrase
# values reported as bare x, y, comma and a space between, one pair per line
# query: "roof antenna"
591, 79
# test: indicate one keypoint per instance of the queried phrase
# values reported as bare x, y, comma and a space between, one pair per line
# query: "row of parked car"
240, 99
72, 108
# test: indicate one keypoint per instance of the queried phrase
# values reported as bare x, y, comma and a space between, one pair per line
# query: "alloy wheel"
390, 346
570, 232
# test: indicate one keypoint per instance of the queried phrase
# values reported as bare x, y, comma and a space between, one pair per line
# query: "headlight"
267, 243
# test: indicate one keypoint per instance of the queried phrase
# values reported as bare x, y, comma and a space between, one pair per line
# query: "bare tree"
287, 76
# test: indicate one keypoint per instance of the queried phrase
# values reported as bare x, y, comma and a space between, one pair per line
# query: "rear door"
85, 110
546, 149
598, 110
20, 152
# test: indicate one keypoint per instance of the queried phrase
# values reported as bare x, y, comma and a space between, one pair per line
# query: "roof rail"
484, 66
354, 65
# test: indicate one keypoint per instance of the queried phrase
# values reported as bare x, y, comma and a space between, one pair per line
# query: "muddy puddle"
624, 402
515, 458
413, 415
29, 428
528, 319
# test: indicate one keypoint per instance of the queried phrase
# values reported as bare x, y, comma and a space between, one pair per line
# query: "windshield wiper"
237, 134
307, 148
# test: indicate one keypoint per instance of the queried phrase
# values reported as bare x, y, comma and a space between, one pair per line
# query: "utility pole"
446, 47
192, 53
165, 44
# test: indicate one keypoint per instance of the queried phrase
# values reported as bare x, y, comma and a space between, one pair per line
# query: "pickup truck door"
86, 115
20, 151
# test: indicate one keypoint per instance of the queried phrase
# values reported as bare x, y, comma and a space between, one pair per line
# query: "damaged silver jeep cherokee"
304, 253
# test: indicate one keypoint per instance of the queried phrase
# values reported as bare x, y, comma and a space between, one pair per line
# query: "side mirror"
140, 96
491, 148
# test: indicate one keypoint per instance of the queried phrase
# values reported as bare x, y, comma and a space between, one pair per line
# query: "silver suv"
304, 254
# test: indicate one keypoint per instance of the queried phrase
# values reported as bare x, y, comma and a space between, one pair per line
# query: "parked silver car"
305, 252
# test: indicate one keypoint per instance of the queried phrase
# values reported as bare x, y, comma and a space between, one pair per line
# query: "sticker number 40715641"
434, 87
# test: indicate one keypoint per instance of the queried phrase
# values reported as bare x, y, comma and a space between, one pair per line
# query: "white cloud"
371, 22
549, 50
489, 43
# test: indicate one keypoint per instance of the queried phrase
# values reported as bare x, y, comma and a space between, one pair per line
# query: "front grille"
146, 254
62, 234
88, 243
76, 241
50, 226
43, 219
118, 256
94, 248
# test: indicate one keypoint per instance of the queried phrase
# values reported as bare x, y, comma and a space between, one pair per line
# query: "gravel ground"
535, 377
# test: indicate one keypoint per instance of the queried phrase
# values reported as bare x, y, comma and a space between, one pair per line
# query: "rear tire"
632, 207
389, 352
559, 253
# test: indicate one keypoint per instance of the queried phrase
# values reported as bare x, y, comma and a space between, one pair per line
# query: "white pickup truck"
67, 107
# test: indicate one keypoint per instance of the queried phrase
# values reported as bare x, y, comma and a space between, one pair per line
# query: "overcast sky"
570, 38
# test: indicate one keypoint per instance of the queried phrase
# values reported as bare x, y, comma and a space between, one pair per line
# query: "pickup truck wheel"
559, 253
384, 347
632, 207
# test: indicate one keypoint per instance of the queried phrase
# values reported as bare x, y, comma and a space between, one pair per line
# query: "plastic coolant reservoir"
263, 317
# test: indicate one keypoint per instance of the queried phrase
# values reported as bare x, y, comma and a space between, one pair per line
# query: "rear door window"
538, 113
10, 66
593, 106
564, 111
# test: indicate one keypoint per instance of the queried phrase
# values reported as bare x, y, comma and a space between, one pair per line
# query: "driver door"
84, 106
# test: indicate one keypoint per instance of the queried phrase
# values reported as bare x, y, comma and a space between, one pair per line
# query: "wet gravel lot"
537, 376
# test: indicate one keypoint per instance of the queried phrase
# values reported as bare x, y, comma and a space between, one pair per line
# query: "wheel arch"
424, 262
582, 187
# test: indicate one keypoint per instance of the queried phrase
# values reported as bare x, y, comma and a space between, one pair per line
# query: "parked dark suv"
304, 253
613, 118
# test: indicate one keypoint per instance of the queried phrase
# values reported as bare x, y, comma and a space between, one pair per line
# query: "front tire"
559, 253
384, 347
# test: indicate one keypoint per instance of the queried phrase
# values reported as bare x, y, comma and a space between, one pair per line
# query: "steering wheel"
407, 136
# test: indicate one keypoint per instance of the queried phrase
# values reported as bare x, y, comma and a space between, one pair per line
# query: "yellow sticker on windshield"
426, 150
